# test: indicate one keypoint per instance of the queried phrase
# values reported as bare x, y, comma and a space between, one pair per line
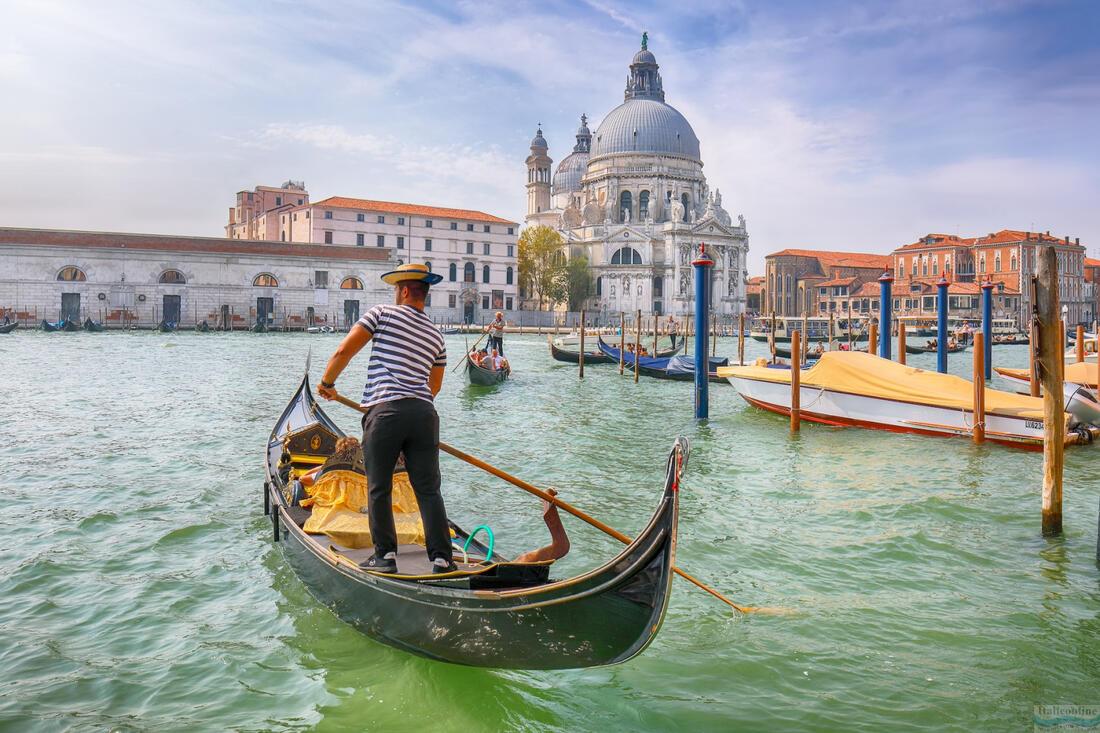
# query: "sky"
850, 126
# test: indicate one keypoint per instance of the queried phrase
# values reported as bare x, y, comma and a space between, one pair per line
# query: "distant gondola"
203, 327
597, 357
50, 327
258, 327
911, 349
810, 355
9, 327
482, 377
93, 326
448, 330
70, 326
492, 612
166, 326
679, 368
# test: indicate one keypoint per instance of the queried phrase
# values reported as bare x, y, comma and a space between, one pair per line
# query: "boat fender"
275, 524
267, 499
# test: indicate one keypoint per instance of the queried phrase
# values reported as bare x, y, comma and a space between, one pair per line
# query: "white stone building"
474, 251
140, 279
633, 198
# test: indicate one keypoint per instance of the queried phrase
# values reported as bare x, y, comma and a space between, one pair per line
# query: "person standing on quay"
404, 374
496, 334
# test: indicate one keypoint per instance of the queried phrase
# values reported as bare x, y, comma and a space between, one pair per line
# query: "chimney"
1077, 241
1067, 239
1027, 236
1048, 232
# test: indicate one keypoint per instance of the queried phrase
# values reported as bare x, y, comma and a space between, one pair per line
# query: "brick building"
796, 280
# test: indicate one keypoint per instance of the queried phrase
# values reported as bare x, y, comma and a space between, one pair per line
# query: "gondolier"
672, 330
404, 373
496, 334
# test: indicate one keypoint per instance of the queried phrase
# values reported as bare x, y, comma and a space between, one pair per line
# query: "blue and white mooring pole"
941, 327
987, 327
702, 265
884, 302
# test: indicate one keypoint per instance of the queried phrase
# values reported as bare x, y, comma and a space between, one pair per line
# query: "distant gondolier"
404, 373
496, 333
673, 330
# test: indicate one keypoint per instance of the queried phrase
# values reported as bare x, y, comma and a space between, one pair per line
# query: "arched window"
658, 287
624, 206
1013, 263
485, 274
468, 272
508, 276
172, 277
452, 272
687, 204
643, 205
626, 256
981, 264
599, 286
997, 263
72, 274
265, 280
351, 283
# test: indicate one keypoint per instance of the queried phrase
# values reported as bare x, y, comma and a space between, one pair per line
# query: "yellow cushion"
337, 498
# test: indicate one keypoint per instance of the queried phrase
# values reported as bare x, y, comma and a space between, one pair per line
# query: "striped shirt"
406, 346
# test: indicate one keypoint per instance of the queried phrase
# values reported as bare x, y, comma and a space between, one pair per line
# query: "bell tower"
538, 176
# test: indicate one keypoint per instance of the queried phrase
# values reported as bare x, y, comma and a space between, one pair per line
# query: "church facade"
632, 197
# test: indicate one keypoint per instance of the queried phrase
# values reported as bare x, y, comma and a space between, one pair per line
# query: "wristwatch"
327, 385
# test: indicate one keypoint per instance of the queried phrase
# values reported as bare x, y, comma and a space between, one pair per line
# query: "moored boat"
678, 368
49, 327
203, 327
917, 349
572, 356
9, 327
861, 390
491, 612
70, 326
1075, 375
166, 327
482, 377
94, 326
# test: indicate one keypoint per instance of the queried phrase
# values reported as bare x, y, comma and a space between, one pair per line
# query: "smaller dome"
570, 171
538, 141
644, 56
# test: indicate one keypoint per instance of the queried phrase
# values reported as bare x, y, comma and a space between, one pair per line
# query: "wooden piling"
805, 337
771, 338
901, 343
655, 335
796, 381
713, 335
979, 388
872, 339
580, 356
622, 339
1033, 350
637, 345
1080, 343
1051, 367
832, 331
741, 339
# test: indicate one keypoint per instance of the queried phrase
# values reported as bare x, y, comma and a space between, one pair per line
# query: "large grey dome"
645, 126
569, 172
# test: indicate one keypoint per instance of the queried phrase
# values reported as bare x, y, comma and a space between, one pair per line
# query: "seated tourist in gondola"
499, 362
486, 360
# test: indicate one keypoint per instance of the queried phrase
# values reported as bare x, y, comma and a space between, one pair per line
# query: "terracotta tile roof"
867, 289
170, 243
838, 259
1090, 269
841, 281
942, 241
340, 202
1013, 235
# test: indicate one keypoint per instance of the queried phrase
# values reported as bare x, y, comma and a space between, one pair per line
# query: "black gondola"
70, 326
203, 327
9, 327
678, 368
911, 349
50, 327
482, 377
598, 357
492, 613
166, 327
258, 327
93, 326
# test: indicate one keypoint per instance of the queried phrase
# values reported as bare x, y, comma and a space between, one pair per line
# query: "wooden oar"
572, 510
468, 350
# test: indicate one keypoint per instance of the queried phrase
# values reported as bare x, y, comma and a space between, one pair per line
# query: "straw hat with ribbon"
411, 271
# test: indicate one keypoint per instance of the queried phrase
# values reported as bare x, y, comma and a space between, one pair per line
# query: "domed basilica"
633, 198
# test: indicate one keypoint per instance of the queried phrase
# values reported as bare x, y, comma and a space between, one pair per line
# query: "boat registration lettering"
1033, 424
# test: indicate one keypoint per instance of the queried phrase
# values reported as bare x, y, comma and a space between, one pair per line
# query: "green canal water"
139, 589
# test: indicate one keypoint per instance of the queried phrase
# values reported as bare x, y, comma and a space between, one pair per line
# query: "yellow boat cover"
338, 497
1078, 372
860, 373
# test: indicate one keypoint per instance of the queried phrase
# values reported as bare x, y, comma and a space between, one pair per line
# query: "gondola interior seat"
339, 504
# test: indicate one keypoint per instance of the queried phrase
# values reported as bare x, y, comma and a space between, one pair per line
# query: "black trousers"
496, 342
409, 426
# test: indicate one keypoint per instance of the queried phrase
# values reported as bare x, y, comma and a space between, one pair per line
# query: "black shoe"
450, 567
379, 565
